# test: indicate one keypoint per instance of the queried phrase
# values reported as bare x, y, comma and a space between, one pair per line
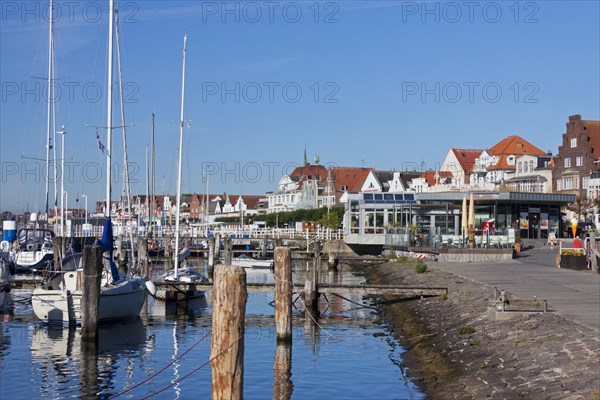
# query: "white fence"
249, 232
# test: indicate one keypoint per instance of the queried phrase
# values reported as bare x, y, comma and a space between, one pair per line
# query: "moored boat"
34, 249
59, 298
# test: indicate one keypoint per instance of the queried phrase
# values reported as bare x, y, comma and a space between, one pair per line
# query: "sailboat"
181, 274
35, 246
58, 299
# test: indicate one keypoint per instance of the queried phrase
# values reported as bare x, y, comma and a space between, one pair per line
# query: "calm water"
350, 355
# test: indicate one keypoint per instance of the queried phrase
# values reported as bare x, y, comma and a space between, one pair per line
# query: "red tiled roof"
515, 145
430, 176
502, 164
352, 178
466, 158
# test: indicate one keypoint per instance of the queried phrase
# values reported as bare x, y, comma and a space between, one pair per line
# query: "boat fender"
151, 287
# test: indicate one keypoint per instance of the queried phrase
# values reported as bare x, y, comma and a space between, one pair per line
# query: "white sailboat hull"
122, 300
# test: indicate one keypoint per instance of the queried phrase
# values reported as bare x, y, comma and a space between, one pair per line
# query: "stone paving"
456, 351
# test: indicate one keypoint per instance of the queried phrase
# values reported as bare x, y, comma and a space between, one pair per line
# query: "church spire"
305, 158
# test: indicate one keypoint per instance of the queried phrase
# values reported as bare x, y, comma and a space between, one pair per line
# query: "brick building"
577, 157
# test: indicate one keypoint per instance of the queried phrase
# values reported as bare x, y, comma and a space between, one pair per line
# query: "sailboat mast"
124, 131
152, 178
50, 64
109, 95
177, 210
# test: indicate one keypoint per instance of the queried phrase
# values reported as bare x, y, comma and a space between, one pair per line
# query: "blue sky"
377, 84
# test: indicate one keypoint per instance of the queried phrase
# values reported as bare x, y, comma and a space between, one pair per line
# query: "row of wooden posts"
229, 296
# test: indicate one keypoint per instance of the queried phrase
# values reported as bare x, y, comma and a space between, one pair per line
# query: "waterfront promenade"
574, 294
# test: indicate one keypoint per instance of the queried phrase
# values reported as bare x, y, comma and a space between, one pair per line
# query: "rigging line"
356, 303
162, 369
127, 181
175, 382
309, 314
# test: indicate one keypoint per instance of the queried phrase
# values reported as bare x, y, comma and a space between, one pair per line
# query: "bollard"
90, 296
227, 340
283, 294
495, 293
545, 306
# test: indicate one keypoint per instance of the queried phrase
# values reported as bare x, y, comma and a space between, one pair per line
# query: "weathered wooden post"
90, 296
311, 293
282, 367
211, 252
227, 340
228, 251
283, 294
57, 249
142, 257
217, 246
263, 247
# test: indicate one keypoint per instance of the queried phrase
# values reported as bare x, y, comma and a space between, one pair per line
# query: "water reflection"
282, 368
155, 355
64, 359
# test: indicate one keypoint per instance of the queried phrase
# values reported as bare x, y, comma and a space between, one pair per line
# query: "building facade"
577, 156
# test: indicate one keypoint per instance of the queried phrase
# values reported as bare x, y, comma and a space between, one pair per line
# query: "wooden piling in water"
283, 294
90, 296
211, 252
263, 247
57, 249
228, 251
282, 368
311, 293
142, 257
227, 340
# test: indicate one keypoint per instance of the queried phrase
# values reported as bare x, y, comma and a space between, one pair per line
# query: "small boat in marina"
248, 262
34, 249
181, 273
58, 299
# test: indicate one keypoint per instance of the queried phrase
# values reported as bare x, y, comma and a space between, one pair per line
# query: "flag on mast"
100, 145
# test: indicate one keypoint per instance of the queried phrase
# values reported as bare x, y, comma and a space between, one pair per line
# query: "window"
520, 167
343, 188
585, 182
559, 184
573, 142
568, 183
567, 162
579, 161
531, 165
524, 166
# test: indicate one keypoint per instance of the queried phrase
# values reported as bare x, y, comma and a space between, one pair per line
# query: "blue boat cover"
107, 236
